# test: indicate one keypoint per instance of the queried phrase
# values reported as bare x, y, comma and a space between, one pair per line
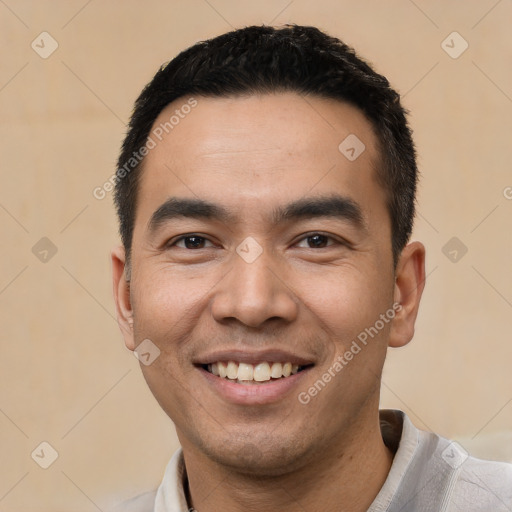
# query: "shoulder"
430, 472
141, 503
482, 484
469, 484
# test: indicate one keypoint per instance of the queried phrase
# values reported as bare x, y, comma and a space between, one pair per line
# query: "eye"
318, 241
312, 241
191, 241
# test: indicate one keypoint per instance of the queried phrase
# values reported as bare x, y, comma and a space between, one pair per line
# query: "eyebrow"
334, 206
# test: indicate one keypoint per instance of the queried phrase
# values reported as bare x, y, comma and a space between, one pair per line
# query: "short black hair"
265, 59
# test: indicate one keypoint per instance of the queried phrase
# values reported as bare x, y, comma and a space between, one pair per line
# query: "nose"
254, 292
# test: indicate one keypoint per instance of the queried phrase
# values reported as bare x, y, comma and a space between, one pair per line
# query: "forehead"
258, 123
258, 151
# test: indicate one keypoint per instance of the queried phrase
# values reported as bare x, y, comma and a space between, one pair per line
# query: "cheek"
164, 300
164, 313
348, 300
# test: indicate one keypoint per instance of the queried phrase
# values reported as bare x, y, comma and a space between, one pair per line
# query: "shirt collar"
170, 496
401, 435
398, 433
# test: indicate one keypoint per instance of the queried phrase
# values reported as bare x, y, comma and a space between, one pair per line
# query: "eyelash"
309, 235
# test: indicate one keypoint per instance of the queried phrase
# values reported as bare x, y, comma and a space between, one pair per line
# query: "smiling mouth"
245, 373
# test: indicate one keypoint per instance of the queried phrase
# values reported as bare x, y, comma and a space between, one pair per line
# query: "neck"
345, 477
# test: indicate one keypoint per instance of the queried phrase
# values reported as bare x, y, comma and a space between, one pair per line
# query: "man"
266, 193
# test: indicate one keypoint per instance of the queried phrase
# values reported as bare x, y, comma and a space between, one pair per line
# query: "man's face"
262, 287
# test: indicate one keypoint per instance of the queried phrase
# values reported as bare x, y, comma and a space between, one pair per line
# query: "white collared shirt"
429, 474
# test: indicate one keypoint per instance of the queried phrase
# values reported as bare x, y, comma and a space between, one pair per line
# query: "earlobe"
409, 284
121, 289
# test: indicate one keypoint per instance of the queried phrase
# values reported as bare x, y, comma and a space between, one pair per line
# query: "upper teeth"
259, 372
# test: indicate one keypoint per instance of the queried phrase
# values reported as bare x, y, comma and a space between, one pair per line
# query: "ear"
122, 296
409, 284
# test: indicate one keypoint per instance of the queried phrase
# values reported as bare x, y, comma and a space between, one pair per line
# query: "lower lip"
254, 394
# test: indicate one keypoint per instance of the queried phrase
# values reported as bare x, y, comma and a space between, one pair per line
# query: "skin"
250, 155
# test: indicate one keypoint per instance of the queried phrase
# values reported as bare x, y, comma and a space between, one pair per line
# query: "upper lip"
252, 357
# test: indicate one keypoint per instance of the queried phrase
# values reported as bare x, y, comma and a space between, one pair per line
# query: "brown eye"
317, 241
190, 242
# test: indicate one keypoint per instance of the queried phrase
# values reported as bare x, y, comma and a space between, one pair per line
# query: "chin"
265, 455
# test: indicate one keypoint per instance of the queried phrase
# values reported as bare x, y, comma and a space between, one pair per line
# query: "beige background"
66, 377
